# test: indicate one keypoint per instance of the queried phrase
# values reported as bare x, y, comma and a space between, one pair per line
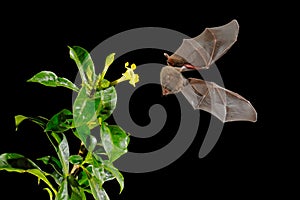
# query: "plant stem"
82, 152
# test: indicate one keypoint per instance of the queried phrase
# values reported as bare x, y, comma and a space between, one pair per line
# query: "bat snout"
165, 91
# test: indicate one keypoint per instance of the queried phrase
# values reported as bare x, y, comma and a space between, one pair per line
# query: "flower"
128, 75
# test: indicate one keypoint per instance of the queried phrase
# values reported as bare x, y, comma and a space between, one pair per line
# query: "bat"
199, 53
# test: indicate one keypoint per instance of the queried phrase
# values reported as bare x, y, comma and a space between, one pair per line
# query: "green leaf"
19, 119
96, 170
75, 191
50, 79
75, 159
16, 161
41, 121
83, 132
83, 197
54, 162
86, 110
49, 192
13, 162
57, 173
60, 122
83, 108
99, 149
108, 61
41, 175
63, 154
114, 140
85, 65
97, 175
83, 179
55, 139
105, 174
115, 172
63, 191
91, 143
97, 191
107, 101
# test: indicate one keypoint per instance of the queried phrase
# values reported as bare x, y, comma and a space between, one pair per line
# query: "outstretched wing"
220, 102
202, 51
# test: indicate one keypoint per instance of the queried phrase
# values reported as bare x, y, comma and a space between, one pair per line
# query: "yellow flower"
128, 75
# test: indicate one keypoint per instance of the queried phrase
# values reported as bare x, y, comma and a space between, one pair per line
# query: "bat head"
175, 60
171, 80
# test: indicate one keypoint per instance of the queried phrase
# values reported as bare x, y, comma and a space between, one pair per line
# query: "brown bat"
200, 53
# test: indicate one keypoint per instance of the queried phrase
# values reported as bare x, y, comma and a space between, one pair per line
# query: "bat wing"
202, 51
220, 102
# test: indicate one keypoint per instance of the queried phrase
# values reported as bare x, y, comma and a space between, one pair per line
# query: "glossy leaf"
106, 174
83, 179
75, 159
41, 175
50, 193
38, 120
19, 119
96, 173
83, 108
63, 191
83, 132
60, 122
57, 173
108, 166
82, 192
98, 192
63, 154
91, 143
84, 64
50, 79
86, 110
108, 61
96, 169
54, 162
107, 102
99, 150
55, 139
114, 140
75, 192
13, 162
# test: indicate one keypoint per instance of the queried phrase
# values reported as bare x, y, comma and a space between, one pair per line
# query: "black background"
247, 161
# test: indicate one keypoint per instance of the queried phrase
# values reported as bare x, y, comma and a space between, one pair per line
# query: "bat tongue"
189, 66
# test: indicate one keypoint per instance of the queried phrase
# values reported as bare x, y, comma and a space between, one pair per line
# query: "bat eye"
170, 63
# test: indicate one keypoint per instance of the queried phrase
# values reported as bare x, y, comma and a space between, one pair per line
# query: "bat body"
200, 53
